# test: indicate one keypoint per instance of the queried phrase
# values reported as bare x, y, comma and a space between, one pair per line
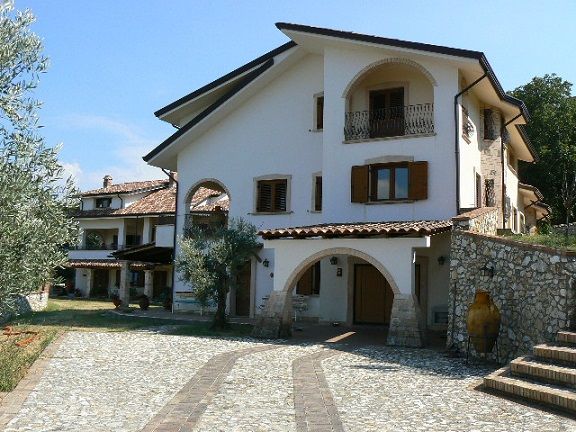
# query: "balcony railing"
389, 122
103, 246
208, 222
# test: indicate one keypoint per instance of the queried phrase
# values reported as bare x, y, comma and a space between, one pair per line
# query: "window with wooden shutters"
319, 113
272, 195
390, 182
489, 125
318, 193
309, 283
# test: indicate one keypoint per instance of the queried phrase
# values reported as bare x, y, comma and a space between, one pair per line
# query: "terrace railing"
389, 122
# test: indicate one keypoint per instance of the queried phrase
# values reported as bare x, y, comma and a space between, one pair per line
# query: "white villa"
351, 154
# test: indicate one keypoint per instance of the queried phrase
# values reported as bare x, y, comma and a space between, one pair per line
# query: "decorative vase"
144, 302
116, 301
483, 322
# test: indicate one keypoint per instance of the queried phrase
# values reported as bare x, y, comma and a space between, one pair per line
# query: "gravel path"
136, 381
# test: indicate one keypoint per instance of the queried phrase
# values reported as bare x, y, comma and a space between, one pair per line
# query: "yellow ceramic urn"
483, 322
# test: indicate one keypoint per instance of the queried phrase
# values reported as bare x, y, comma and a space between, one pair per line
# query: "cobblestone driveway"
150, 382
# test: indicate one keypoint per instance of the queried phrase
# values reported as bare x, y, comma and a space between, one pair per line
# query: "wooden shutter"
359, 184
318, 194
280, 193
264, 203
418, 182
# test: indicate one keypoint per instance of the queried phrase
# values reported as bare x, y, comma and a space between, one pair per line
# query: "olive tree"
210, 262
34, 196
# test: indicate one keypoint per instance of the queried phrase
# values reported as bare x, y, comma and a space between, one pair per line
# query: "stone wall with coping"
532, 286
483, 220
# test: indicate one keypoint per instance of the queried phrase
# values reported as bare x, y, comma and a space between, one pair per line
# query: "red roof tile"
130, 187
360, 229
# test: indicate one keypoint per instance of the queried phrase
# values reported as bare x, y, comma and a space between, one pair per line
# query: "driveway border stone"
12, 402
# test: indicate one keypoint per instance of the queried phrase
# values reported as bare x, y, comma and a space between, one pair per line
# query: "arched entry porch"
369, 281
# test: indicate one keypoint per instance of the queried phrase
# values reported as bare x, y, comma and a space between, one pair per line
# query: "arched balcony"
388, 99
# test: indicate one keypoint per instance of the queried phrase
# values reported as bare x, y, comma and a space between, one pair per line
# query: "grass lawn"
82, 315
557, 241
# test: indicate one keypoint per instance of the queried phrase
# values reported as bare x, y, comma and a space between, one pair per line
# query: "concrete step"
566, 337
556, 354
545, 372
546, 394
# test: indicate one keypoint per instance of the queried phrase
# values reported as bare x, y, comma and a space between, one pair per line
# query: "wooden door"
372, 296
387, 112
159, 284
243, 290
100, 283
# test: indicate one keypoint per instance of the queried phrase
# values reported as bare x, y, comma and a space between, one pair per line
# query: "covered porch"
388, 274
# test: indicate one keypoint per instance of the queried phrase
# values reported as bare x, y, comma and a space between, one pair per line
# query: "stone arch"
378, 63
206, 182
303, 266
297, 273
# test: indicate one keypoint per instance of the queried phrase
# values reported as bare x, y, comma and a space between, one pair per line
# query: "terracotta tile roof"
93, 263
104, 264
158, 202
360, 229
533, 189
130, 187
162, 201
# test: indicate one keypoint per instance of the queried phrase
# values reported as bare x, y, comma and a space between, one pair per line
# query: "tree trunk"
220, 321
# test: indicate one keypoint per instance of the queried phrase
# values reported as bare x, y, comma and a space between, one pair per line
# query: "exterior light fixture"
488, 269
266, 263
441, 260
333, 260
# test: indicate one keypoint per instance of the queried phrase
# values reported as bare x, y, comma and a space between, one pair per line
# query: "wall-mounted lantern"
441, 260
266, 263
333, 260
488, 269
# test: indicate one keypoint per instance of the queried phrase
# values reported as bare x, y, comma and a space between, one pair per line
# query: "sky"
114, 62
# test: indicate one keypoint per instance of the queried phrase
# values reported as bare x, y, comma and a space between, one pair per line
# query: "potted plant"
116, 300
144, 302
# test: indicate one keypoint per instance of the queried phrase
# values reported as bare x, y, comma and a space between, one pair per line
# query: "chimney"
172, 179
107, 181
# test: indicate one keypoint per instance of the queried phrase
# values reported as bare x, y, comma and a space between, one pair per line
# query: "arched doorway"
340, 285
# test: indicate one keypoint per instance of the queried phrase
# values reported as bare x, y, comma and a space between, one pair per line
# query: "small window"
272, 195
319, 114
103, 202
389, 182
478, 190
318, 193
489, 125
309, 283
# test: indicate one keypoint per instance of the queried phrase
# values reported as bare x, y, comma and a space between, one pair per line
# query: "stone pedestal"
276, 318
89, 281
405, 322
148, 283
124, 291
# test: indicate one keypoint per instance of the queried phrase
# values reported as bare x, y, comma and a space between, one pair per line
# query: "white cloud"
124, 160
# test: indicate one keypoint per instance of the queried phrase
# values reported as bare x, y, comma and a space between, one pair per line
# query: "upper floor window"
389, 182
319, 112
103, 202
318, 193
272, 195
490, 132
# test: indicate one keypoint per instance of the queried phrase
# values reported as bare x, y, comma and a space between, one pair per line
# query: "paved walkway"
141, 381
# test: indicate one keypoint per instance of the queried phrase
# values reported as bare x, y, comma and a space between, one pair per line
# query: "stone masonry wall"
31, 303
491, 162
532, 286
483, 220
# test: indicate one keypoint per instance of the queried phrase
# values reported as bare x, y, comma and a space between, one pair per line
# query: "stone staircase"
548, 377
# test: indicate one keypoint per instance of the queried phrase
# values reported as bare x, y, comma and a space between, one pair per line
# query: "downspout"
169, 174
457, 157
502, 162
456, 139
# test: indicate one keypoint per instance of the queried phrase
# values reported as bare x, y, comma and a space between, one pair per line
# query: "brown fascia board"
224, 79
437, 49
221, 101
522, 131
